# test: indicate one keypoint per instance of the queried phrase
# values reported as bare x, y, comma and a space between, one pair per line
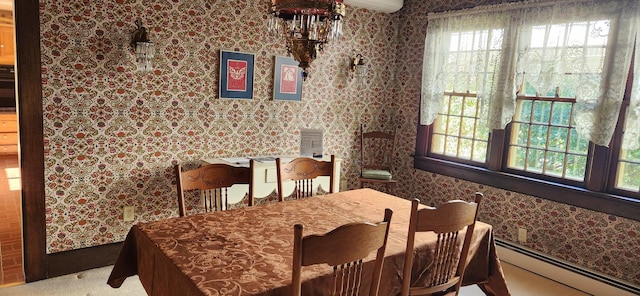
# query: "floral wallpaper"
112, 134
597, 241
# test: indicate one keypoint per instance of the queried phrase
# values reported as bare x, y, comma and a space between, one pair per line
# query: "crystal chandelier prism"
306, 26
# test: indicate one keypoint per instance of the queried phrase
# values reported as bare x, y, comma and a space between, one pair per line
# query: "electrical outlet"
522, 235
129, 213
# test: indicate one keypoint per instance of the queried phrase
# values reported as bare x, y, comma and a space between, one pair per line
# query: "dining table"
249, 250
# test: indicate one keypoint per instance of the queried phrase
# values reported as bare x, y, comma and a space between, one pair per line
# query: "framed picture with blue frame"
236, 75
287, 80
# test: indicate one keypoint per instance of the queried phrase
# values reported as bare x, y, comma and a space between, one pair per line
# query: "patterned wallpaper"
112, 134
600, 242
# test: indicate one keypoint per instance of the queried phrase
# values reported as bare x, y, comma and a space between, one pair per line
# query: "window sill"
596, 201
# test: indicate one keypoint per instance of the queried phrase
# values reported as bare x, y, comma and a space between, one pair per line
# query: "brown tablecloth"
248, 251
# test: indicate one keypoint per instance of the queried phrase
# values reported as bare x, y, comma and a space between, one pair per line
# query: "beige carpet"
94, 283
87, 283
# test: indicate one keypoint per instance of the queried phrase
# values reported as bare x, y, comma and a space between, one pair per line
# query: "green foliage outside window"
629, 170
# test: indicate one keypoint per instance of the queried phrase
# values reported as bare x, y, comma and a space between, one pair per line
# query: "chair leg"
390, 188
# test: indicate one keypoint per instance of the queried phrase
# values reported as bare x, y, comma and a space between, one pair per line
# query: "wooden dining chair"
445, 274
343, 248
213, 182
302, 171
377, 155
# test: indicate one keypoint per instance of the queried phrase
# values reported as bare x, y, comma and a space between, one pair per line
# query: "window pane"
558, 138
568, 86
628, 174
466, 146
453, 126
468, 126
439, 124
525, 110
541, 112
535, 160
554, 164
451, 146
470, 108
578, 31
517, 157
601, 27
522, 137
561, 114
445, 105
577, 144
455, 106
539, 136
576, 167
482, 132
480, 151
437, 144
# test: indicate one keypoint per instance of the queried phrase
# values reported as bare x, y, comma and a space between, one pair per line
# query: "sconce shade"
361, 70
144, 48
358, 69
306, 25
145, 52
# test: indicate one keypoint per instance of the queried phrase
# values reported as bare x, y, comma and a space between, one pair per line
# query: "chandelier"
306, 26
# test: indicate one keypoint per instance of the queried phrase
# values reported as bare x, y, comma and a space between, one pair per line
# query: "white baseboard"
577, 277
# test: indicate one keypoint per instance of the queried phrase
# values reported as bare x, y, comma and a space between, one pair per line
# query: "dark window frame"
597, 194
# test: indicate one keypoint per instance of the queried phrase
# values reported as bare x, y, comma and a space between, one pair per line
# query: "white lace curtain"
632, 124
466, 53
496, 76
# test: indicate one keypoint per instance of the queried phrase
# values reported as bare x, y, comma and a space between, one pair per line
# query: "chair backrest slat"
343, 248
377, 150
212, 180
446, 221
377, 159
302, 171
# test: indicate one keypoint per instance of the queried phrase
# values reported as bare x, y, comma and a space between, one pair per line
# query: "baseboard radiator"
580, 278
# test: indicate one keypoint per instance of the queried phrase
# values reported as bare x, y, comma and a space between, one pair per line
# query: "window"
543, 139
534, 93
457, 130
461, 130
627, 169
628, 172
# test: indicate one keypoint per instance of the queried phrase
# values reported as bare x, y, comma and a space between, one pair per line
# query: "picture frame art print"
287, 80
236, 75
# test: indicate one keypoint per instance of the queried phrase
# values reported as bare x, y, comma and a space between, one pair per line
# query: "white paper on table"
236, 160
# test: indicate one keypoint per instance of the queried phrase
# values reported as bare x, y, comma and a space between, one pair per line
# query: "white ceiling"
6, 5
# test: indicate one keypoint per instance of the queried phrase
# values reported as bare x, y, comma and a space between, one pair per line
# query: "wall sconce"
145, 50
358, 68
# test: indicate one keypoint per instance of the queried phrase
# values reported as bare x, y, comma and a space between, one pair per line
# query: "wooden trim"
496, 149
29, 89
596, 201
82, 259
422, 134
597, 168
